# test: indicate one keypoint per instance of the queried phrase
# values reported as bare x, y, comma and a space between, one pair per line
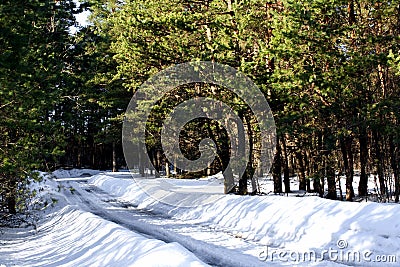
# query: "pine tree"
34, 40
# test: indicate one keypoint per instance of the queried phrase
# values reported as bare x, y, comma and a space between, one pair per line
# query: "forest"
329, 69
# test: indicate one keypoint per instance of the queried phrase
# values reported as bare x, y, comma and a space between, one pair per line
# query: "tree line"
329, 70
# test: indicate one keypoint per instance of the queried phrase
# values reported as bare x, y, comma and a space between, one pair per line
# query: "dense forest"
330, 71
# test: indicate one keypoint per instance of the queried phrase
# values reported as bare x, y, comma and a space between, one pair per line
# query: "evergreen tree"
34, 41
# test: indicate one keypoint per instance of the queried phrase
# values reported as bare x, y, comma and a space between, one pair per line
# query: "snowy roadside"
258, 230
362, 234
68, 236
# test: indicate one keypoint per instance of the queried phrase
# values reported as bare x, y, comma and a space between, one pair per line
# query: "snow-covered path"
289, 230
106, 219
217, 248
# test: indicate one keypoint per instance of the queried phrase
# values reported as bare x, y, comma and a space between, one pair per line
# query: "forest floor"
109, 219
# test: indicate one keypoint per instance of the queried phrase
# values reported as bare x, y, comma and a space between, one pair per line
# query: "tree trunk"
330, 177
350, 10
11, 204
394, 156
301, 171
379, 167
286, 178
307, 171
114, 158
249, 171
79, 155
276, 169
317, 187
141, 160
363, 185
345, 145
242, 189
175, 168
167, 170
317, 167
157, 163
229, 183
254, 183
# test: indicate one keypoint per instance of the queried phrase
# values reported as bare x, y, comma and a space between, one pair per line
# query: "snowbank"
68, 236
61, 173
76, 238
281, 223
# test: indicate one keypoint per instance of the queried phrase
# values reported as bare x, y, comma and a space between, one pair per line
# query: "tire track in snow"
151, 225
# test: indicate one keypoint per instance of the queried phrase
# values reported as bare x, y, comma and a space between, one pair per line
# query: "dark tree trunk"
379, 160
363, 185
301, 171
276, 169
79, 155
307, 171
317, 187
394, 156
345, 145
242, 188
308, 185
318, 165
114, 158
330, 145
250, 169
286, 179
330, 177
350, 10
141, 160
12, 204
157, 163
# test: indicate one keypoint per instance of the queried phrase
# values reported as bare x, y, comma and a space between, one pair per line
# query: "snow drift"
280, 223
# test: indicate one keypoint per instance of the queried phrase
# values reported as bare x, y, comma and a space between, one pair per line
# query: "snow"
69, 236
78, 173
111, 219
278, 222
75, 238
